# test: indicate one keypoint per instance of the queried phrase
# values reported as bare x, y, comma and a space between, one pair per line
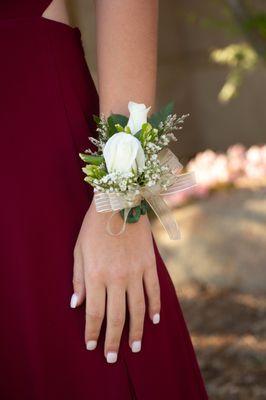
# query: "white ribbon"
154, 195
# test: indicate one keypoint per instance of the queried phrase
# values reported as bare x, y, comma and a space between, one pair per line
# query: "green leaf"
161, 115
111, 124
146, 127
147, 134
116, 119
96, 119
137, 134
93, 171
91, 159
119, 119
127, 129
144, 206
133, 215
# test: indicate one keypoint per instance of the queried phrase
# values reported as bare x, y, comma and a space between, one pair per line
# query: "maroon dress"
47, 99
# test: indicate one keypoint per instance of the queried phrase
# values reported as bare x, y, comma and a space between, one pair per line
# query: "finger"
78, 296
152, 287
116, 308
136, 306
95, 307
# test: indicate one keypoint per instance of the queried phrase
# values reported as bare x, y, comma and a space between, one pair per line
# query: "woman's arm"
126, 53
119, 266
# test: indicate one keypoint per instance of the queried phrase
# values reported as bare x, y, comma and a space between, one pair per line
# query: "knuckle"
112, 343
94, 314
91, 333
136, 271
155, 288
136, 333
76, 251
155, 307
77, 281
155, 297
93, 274
155, 304
117, 320
150, 262
139, 307
120, 276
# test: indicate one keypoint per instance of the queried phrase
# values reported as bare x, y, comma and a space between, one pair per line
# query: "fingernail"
91, 344
111, 357
156, 318
136, 346
74, 300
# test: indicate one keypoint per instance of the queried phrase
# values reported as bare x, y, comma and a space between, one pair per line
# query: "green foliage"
147, 134
136, 212
144, 206
111, 126
93, 172
91, 159
161, 115
222, 21
238, 17
257, 22
119, 119
127, 129
240, 58
116, 119
96, 119
133, 215
119, 128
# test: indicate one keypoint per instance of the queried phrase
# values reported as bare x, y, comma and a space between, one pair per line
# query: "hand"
116, 266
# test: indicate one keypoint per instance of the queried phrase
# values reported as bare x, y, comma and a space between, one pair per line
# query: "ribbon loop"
109, 228
106, 202
165, 216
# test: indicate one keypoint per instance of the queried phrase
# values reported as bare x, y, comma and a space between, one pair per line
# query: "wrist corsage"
133, 168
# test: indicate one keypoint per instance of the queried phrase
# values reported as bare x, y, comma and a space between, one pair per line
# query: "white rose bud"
137, 117
123, 152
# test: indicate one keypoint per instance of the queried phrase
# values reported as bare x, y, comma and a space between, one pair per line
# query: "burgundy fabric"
22, 8
47, 99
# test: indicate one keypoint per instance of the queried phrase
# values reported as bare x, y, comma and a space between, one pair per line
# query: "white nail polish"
156, 318
111, 357
74, 300
136, 346
91, 344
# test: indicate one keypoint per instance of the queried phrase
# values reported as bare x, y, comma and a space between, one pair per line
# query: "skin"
112, 272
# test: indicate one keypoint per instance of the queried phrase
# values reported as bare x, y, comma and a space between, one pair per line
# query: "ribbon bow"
154, 195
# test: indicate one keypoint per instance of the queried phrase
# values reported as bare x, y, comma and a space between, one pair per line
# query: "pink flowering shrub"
220, 170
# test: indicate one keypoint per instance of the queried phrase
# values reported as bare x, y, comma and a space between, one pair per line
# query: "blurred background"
212, 63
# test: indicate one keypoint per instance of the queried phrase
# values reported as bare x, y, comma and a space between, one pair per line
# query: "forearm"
126, 37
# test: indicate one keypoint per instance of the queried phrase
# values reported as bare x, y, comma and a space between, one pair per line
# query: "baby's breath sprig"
102, 127
172, 123
167, 128
117, 182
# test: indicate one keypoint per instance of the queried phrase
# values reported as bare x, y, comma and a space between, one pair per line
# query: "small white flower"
137, 117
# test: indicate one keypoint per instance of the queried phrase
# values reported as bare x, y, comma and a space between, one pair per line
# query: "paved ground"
223, 241
228, 330
219, 270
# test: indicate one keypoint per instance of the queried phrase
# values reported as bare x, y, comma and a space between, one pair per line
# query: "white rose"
137, 117
123, 152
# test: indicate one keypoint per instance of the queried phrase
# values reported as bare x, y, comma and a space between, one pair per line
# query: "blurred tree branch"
244, 18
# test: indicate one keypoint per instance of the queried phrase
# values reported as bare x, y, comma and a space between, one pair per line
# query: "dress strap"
22, 8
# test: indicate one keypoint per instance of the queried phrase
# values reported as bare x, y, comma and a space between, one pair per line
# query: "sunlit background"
212, 63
